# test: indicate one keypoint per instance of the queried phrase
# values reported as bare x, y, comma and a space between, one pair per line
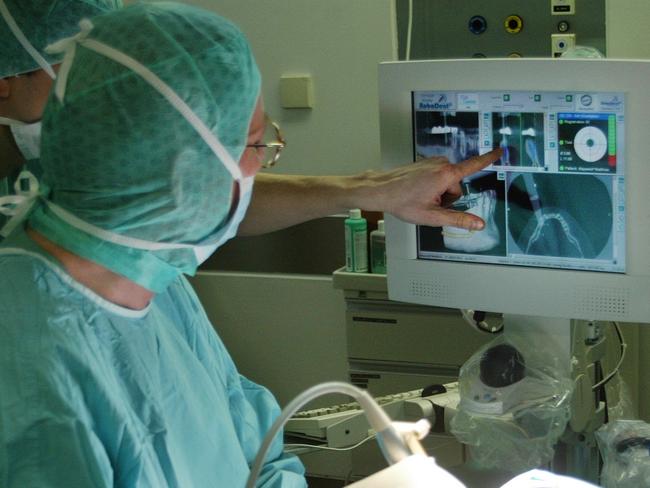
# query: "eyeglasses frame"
278, 145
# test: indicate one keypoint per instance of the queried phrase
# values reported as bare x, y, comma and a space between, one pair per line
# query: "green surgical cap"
42, 22
117, 155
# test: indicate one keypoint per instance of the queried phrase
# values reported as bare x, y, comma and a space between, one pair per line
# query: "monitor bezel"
548, 292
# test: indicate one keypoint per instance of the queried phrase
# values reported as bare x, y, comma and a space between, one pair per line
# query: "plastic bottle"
378, 249
356, 242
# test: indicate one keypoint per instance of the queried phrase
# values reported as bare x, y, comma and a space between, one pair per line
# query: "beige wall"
627, 29
338, 43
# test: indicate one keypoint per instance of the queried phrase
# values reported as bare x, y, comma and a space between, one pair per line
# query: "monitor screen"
557, 196
567, 209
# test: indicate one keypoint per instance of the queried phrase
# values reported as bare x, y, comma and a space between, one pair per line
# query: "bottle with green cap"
356, 242
378, 249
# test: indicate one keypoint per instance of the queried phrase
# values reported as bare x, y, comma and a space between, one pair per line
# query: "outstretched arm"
418, 193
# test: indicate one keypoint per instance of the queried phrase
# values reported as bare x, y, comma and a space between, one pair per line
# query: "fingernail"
477, 225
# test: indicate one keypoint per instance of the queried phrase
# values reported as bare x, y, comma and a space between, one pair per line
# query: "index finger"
477, 163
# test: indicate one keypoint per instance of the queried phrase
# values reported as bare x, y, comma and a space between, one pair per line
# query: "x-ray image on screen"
453, 135
484, 197
567, 215
521, 135
556, 197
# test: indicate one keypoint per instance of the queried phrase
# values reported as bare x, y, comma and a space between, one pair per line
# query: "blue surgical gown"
96, 395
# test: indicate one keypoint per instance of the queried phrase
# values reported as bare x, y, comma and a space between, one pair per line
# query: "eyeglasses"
268, 153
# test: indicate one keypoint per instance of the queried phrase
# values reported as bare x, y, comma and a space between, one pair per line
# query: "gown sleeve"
253, 408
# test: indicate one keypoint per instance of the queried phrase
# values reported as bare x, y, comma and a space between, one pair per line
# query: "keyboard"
343, 424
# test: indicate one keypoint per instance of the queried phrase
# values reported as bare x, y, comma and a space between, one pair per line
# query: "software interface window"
555, 199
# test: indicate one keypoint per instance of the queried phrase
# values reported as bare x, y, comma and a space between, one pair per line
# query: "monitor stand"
581, 346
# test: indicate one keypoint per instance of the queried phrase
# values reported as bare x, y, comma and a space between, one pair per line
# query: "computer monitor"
567, 206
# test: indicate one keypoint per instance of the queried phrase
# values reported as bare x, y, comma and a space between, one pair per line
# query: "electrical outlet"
561, 43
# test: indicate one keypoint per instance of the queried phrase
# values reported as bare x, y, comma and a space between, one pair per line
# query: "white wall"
628, 35
337, 42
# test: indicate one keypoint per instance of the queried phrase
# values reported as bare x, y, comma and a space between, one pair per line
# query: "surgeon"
280, 201
27, 71
110, 372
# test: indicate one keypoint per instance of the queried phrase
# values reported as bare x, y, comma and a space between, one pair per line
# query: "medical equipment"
345, 424
570, 252
429, 29
389, 344
409, 465
625, 448
515, 398
388, 349
446, 134
605, 197
320, 423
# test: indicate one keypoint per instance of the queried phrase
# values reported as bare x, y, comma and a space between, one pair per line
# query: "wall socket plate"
561, 43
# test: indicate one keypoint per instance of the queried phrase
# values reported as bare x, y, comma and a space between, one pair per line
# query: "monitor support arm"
582, 345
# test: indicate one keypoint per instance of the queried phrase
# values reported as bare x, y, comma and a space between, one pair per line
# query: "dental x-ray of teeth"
484, 196
453, 135
521, 136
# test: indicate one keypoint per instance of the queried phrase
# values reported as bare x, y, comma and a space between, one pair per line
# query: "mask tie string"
17, 207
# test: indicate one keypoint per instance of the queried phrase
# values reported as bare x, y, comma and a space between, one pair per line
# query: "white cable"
24, 42
409, 32
327, 448
620, 361
394, 448
18, 206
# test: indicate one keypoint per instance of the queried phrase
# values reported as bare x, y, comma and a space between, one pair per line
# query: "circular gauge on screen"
590, 144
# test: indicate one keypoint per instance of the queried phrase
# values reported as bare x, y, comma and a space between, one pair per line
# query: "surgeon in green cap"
111, 374
27, 71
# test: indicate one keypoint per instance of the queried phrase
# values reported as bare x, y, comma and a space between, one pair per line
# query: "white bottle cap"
380, 225
355, 213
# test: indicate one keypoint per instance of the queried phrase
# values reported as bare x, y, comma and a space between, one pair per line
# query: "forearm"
280, 201
418, 193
